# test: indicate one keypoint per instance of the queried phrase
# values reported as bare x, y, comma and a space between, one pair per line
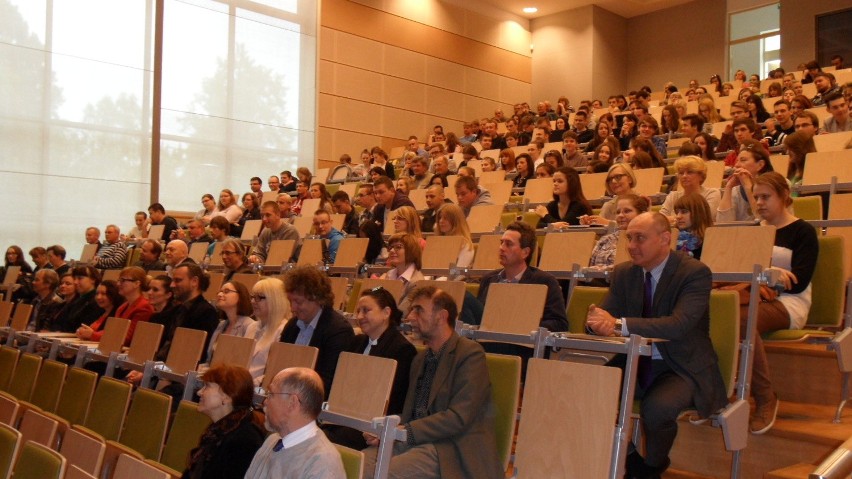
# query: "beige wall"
677, 44
609, 47
383, 77
562, 56
798, 29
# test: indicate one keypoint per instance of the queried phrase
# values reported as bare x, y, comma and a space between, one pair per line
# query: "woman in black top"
228, 445
568, 203
524, 165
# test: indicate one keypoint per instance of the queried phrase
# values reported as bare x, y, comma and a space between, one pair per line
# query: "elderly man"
316, 322
470, 194
39, 257
447, 412
113, 253
296, 448
195, 233
149, 256
274, 228
177, 254
93, 236
663, 294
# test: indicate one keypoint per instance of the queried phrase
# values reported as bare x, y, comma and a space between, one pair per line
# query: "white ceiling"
624, 8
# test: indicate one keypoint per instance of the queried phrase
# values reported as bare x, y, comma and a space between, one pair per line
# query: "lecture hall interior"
109, 106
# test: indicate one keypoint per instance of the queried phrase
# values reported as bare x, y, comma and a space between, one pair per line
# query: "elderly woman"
271, 309
691, 173
233, 302
228, 445
737, 203
405, 257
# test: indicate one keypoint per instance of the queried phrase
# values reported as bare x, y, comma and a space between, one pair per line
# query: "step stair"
807, 380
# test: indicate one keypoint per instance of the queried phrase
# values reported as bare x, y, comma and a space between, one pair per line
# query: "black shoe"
641, 470
634, 465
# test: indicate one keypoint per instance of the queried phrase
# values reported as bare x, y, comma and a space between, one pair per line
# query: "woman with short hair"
228, 445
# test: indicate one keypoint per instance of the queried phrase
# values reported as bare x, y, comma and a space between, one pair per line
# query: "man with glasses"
325, 230
447, 412
274, 183
256, 185
808, 123
234, 258
367, 200
315, 321
296, 448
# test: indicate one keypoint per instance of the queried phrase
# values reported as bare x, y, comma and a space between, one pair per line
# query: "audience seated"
296, 448
405, 258
387, 200
331, 235
693, 215
452, 222
273, 229
406, 220
691, 173
343, 205
149, 256
436, 446
470, 194
46, 301
271, 309
434, 200
737, 203
234, 304
379, 319
568, 204
627, 207
228, 445
315, 322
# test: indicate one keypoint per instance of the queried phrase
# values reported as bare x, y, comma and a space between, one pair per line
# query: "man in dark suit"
663, 294
387, 199
316, 323
448, 413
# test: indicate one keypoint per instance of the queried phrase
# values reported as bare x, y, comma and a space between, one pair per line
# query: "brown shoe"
764, 417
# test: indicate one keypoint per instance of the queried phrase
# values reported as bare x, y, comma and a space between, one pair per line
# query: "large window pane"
233, 96
754, 22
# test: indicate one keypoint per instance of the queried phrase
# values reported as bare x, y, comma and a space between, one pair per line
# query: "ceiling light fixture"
530, 9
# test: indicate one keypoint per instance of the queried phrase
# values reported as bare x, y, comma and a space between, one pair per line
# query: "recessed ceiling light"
530, 9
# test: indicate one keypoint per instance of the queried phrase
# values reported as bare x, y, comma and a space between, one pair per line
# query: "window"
238, 100
755, 41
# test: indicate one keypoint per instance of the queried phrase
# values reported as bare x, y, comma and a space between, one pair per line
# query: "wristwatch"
618, 328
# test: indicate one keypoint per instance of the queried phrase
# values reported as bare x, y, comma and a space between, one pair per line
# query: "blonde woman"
406, 220
451, 222
271, 309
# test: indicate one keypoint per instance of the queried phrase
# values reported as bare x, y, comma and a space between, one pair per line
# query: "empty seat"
39, 462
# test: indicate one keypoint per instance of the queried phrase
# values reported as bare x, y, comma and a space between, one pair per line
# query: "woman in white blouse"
271, 309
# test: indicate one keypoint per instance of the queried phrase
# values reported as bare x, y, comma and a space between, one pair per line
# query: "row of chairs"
92, 422
28, 459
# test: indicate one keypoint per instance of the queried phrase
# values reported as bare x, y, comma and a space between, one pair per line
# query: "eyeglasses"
396, 247
258, 298
127, 280
687, 172
227, 253
377, 289
227, 291
616, 177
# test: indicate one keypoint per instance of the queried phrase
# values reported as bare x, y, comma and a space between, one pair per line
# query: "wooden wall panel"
383, 77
